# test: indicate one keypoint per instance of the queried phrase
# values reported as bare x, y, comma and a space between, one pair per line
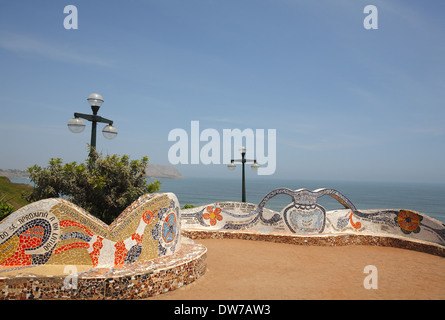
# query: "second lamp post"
77, 125
243, 160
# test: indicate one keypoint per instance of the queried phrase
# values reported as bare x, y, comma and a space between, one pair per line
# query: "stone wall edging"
340, 239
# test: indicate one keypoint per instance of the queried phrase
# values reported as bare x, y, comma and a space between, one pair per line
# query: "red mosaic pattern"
120, 254
96, 251
137, 237
69, 223
71, 246
29, 239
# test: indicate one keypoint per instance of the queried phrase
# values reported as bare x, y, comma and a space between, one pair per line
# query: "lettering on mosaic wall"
123, 225
19, 222
305, 197
244, 207
77, 216
40, 225
154, 205
274, 193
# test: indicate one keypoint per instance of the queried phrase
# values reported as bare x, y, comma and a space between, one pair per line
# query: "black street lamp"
243, 160
77, 125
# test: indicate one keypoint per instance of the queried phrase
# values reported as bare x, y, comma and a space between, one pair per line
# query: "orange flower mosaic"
148, 217
213, 215
408, 221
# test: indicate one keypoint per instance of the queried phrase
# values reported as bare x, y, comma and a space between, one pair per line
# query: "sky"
347, 103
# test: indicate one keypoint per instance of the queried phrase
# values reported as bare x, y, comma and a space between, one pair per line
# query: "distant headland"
13, 173
162, 171
153, 171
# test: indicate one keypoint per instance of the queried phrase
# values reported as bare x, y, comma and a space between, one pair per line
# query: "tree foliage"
104, 186
5, 208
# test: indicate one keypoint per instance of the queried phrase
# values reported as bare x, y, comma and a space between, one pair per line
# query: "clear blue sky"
347, 103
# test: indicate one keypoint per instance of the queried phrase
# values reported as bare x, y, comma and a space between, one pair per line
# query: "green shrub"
104, 186
5, 208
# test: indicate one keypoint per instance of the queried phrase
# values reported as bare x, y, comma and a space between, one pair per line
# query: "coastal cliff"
153, 171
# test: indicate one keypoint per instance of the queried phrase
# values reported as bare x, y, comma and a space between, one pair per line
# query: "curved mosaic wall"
131, 281
305, 216
57, 232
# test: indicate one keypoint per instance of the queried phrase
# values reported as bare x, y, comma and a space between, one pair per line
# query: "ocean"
422, 197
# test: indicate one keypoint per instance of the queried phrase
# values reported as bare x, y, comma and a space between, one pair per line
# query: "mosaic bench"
142, 248
130, 281
304, 221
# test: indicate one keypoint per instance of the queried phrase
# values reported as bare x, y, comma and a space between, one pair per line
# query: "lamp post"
243, 160
77, 125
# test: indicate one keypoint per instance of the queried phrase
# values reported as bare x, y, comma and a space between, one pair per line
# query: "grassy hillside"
11, 192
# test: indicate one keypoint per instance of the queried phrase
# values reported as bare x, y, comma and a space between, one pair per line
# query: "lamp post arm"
103, 120
88, 117
243, 160
92, 118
